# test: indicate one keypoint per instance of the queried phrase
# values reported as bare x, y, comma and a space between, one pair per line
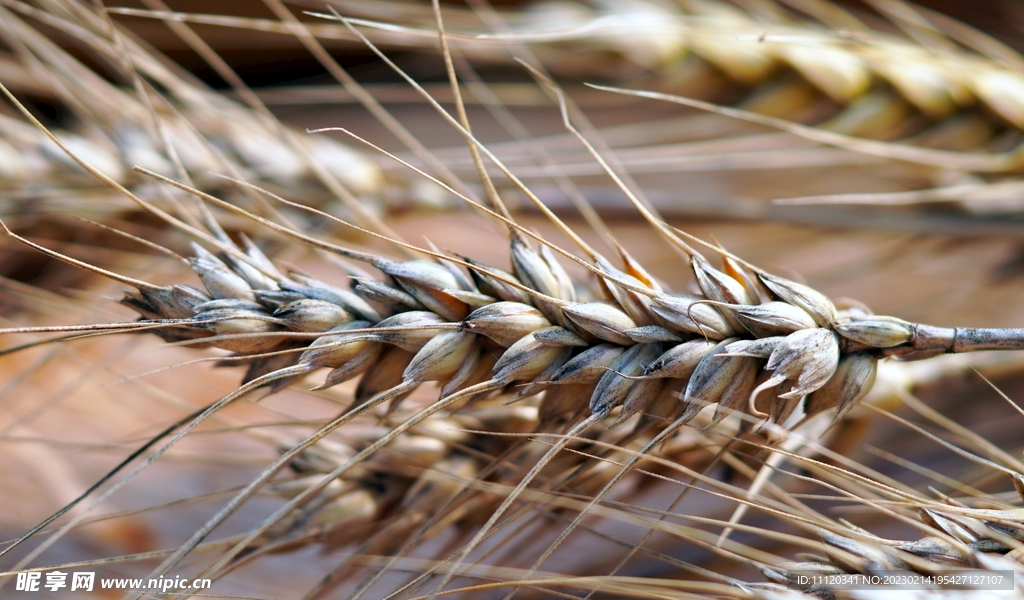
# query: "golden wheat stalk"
751, 342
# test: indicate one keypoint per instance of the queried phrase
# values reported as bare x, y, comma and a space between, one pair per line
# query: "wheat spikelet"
389, 488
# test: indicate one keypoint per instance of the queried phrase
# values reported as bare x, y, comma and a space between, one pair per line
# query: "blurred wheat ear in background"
614, 415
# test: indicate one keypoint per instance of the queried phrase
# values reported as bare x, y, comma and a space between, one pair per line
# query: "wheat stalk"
750, 342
